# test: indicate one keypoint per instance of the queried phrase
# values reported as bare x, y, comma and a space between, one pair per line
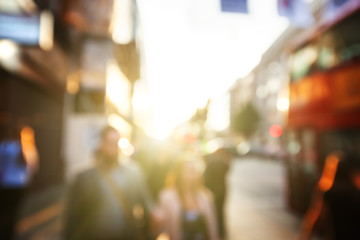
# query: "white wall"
81, 136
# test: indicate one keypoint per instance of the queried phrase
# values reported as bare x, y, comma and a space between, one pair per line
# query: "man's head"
108, 148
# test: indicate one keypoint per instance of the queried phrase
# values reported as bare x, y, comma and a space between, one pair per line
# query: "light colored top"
171, 207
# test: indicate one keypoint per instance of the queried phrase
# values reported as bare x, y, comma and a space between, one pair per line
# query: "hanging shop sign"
32, 30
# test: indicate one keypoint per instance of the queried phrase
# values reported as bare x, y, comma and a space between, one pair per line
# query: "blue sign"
13, 170
22, 29
235, 6
285, 8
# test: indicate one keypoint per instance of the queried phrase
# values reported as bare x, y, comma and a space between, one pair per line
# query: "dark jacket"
97, 209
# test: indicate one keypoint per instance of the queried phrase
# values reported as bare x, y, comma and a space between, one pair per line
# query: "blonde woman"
188, 206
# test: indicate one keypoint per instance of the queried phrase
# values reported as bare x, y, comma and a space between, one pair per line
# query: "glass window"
338, 45
303, 61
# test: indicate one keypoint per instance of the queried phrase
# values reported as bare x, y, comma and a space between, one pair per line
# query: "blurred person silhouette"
336, 200
188, 206
18, 162
216, 170
109, 201
160, 168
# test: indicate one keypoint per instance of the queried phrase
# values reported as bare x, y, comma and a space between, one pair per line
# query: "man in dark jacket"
109, 201
217, 167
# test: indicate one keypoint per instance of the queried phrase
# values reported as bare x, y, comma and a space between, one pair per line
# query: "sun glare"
192, 57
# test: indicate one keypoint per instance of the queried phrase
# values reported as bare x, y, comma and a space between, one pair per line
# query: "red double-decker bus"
324, 94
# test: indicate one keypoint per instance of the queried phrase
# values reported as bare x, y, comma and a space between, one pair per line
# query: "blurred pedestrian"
216, 170
160, 169
188, 206
109, 201
18, 162
336, 199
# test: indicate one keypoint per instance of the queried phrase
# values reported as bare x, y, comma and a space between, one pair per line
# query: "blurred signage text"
22, 29
235, 6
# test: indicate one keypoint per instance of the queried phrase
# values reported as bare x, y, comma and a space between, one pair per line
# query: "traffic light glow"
275, 131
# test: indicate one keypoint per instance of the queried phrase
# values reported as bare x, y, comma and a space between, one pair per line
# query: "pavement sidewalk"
256, 208
40, 216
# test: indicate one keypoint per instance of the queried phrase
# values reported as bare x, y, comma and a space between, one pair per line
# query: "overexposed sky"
192, 52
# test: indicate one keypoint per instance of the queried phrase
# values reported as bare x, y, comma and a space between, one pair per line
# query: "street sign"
22, 29
235, 6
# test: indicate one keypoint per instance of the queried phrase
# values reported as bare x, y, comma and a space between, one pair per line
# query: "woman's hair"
180, 167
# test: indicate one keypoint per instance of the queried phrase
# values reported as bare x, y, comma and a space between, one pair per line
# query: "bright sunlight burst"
193, 52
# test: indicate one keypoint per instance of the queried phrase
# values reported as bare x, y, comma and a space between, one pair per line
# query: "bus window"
328, 54
345, 140
294, 145
340, 44
332, 48
309, 150
303, 61
350, 38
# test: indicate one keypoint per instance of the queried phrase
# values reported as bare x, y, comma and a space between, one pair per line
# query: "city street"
256, 206
88, 84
